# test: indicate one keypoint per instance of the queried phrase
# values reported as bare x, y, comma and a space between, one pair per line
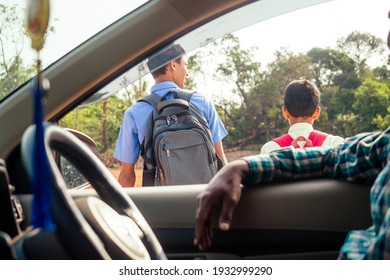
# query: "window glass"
71, 23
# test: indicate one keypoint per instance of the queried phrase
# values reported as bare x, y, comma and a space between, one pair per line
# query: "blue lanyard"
41, 214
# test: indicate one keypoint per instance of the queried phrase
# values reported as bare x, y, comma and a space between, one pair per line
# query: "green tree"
383, 72
132, 91
333, 68
12, 37
101, 121
361, 47
336, 102
194, 69
372, 100
240, 67
383, 122
347, 125
288, 67
13, 70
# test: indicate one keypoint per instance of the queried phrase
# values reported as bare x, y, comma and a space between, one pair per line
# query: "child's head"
301, 101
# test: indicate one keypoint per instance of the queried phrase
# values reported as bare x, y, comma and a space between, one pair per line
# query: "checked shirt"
362, 158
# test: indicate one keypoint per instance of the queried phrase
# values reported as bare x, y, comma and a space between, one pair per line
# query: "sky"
76, 20
303, 29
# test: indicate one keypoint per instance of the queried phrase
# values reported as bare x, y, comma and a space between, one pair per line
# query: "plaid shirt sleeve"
362, 158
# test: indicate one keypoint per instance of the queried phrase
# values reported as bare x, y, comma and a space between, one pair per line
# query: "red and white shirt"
302, 129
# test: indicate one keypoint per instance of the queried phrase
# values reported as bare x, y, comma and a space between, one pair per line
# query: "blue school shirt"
133, 127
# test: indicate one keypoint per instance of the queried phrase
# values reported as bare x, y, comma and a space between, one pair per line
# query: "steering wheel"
109, 227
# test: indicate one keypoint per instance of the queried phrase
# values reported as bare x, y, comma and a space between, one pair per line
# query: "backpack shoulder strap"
185, 94
152, 99
284, 140
317, 137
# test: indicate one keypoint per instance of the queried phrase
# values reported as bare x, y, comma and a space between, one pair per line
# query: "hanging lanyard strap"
41, 214
38, 12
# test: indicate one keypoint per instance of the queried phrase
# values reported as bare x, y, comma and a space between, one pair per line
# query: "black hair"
301, 98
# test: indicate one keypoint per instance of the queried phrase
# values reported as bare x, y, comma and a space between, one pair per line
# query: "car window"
243, 64
71, 23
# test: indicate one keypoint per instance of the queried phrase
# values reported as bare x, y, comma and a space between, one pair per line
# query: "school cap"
164, 56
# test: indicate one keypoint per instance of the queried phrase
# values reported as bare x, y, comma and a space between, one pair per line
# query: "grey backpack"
178, 147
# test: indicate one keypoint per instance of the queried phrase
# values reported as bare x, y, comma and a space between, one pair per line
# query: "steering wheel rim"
70, 222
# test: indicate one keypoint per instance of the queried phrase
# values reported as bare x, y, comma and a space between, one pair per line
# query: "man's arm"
291, 163
223, 191
127, 175
220, 152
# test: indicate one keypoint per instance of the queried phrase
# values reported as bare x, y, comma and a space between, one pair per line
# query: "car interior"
306, 219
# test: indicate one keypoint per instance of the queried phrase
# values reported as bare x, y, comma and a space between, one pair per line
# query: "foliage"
382, 122
347, 125
336, 102
372, 100
12, 34
195, 66
89, 121
13, 70
361, 46
131, 92
331, 67
239, 66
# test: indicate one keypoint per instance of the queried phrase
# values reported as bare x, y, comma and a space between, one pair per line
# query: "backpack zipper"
176, 116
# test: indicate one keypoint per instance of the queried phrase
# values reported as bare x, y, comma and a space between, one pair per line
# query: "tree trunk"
104, 126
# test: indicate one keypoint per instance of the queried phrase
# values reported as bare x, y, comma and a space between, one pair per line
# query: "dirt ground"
233, 155
230, 155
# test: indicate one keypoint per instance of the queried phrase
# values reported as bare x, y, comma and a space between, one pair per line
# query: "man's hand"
222, 194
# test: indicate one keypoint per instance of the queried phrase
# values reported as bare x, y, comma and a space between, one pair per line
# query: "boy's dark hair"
301, 98
157, 63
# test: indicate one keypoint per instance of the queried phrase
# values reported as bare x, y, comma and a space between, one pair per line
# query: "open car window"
243, 61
